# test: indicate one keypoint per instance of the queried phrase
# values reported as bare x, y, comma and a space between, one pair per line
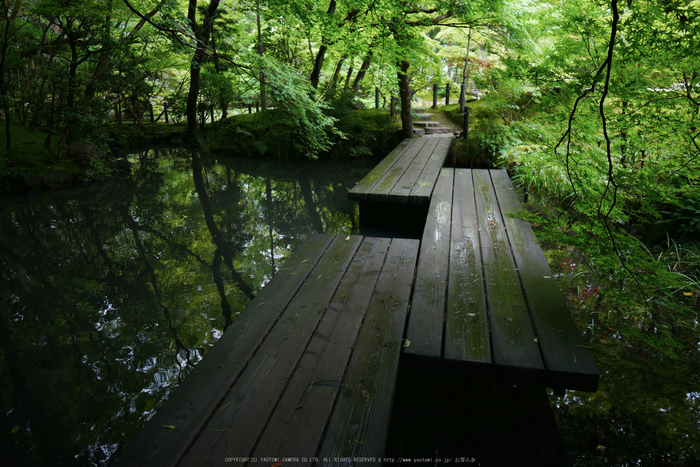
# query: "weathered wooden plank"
360, 421
237, 424
425, 323
364, 186
298, 422
513, 339
380, 191
403, 187
423, 188
560, 340
193, 402
466, 318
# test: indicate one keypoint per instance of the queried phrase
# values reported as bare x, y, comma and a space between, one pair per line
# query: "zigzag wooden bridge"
308, 371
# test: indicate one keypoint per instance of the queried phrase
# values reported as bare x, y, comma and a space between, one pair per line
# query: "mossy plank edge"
513, 339
380, 191
424, 186
561, 344
401, 190
364, 186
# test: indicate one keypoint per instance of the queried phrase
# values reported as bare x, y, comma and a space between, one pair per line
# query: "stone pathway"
424, 125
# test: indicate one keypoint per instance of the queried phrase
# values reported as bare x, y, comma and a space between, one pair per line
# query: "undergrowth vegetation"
636, 221
356, 132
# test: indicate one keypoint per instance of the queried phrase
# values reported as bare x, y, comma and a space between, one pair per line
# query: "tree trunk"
465, 72
318, 64
202, 34
347, 78
334, 81
363, 71
405, 93
263, 97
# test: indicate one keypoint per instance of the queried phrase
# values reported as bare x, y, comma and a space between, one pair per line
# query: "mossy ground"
367, 133
28, 153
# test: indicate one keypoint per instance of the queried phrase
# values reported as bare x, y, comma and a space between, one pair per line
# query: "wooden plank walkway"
397, 192
407, 175
485, 299
307, 370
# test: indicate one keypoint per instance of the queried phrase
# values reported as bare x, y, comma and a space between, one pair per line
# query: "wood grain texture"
425, 323
467, 336
513, 339
360, 421
424, 186
568, 362
192, 403
403, 187
364, 186
380, 191
236, 425
298, 422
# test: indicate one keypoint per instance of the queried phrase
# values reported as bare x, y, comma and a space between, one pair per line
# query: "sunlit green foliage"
619, 157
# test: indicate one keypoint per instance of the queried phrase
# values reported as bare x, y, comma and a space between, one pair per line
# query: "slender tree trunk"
318, 64
465, 72
363, 71
405, 93
347, 78
202, 34
263, 97
5, 44
336, 74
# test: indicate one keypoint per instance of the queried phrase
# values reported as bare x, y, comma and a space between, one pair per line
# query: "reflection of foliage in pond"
647, 408
111, 297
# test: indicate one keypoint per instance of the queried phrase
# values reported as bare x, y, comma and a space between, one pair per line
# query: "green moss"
30, 161
28, 153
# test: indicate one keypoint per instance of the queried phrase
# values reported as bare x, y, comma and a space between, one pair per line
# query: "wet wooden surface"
407, 175
309, 369
310, 366
496, 310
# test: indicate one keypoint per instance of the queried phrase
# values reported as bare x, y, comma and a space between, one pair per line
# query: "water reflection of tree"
106, 299
223, 247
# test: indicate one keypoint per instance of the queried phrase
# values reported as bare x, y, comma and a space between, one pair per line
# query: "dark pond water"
111, 294
647, 408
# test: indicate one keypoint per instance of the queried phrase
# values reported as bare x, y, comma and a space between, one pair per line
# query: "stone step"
438, 129
426, 123
419, 131
423, 115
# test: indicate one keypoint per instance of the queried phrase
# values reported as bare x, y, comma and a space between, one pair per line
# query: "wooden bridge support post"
435, 92
447, 94
165, 111
465, 133
462, 98
376, 98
